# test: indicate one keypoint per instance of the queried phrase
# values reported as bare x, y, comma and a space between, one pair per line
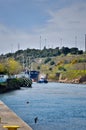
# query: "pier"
9, 119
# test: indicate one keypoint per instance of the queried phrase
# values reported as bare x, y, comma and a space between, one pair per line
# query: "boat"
34, 75
42, 80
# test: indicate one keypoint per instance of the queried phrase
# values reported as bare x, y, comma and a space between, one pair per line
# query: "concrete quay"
9, 118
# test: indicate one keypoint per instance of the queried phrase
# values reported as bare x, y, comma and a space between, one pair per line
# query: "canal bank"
9, 118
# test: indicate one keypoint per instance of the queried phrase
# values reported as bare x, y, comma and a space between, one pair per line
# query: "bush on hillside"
52, 63
38, 67
81, 60
61, 68
50, 69
47, 60
74, 61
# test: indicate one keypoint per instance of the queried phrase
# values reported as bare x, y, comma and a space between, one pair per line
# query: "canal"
58, 106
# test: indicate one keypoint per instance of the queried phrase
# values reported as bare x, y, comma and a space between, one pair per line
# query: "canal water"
58, 106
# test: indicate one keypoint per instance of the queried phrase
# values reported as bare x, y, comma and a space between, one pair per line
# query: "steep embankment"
70, 68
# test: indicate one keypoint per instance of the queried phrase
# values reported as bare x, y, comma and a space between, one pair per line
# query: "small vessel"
42, 79
34, 75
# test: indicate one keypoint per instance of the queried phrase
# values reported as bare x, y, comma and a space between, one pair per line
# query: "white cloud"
66, 24
60, 29
10, 38
68, 18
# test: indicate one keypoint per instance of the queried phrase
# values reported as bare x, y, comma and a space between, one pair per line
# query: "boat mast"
29, 67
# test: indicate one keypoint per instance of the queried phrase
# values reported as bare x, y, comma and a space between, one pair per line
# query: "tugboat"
42, 79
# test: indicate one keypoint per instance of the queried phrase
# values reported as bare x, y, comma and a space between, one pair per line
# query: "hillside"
62, 65
70, 68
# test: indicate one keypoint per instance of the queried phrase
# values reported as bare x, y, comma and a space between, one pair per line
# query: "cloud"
71, 15
66, 23
59, 29
10, 38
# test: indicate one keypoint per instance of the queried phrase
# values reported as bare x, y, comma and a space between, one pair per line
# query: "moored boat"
42, 80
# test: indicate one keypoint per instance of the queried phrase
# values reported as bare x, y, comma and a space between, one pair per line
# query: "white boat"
42, 79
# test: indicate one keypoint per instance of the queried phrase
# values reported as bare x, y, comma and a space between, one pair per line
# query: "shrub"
52, 63
61, 68
38, 67
50, 69
47, 60
74, 61
82, 60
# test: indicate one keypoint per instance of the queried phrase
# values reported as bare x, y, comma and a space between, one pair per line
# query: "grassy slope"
73, 68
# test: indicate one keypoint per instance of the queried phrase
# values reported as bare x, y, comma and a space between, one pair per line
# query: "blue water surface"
58, 106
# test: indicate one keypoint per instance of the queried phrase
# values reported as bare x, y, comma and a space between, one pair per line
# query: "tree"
2, 70
74, 50
65, 50
12, 66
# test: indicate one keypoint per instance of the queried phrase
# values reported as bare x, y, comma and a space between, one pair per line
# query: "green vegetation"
70, 67
47, 60
10, 66
65, 63
45, 52
15, 83
52, 63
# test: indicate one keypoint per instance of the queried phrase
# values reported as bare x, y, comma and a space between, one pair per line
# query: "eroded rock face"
76, 81
82, 79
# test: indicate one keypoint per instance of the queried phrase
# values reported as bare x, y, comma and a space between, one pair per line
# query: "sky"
38, 23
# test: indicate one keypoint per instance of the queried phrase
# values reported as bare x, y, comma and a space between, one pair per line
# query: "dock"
9, 118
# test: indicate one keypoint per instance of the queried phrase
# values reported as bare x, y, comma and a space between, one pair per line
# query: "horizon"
41, 49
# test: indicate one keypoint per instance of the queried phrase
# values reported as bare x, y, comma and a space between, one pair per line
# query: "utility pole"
61, 42
40, 42
45, 42
18, 46
29, 66
76, 41
85, 43
23, 63
11, 48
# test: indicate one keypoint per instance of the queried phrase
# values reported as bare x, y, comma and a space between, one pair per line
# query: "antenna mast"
85, 42
76, 41
18, 46
40, 42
